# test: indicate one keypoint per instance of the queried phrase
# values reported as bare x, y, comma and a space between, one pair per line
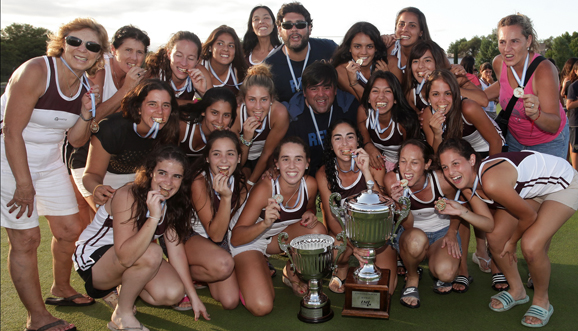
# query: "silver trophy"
311, 257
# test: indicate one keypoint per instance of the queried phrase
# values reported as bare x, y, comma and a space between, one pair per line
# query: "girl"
261, 37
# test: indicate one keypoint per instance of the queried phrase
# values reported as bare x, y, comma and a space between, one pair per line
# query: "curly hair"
525, 23
161, 62
293, 7
343, 53
193, 112
239, 61
454, 122
250, 39
178, 207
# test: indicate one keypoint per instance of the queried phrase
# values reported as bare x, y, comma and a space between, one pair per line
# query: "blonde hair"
258, 75
525, 23
55, 44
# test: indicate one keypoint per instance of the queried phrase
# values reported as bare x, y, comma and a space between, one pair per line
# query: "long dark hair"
420, 19
462, 147
343, 54
401, 112
329, 158
161, 62
239, 61
201, 166
178, 207
192, 112
250, 40
454, 122
132, 102
416, 53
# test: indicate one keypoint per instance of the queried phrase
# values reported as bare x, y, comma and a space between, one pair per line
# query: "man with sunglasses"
299, 51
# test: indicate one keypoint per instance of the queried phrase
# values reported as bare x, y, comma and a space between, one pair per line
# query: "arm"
493, 91
471, 91
375, 159
369, 173
200, 77
79, 133
394, 190
216, 224
478, 214
474, 114
309, 217
347, 78
96, 166
546, 110
433, 131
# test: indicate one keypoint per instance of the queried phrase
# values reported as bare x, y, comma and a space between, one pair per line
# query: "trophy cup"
311, 257
368, 221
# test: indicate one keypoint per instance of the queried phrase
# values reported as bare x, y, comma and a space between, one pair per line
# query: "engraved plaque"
366, 300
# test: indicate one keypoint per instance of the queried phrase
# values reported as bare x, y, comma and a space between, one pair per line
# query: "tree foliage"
19, 43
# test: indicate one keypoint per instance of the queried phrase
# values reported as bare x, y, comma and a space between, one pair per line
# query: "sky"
448, 20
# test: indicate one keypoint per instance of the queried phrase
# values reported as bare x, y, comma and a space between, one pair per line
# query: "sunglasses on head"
75, 42
290, 25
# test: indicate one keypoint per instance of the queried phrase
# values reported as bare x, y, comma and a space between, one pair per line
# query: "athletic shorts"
86, 275
431, 236
54, 197
568, 196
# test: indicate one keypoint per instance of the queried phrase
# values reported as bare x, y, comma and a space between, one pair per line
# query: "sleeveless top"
260, 137
187, 143
229, 81
520, 125
388, 146
471, 134
108, 88
418, 100
357, 186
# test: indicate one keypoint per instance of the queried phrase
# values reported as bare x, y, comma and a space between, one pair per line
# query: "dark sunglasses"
75, 42
290, 25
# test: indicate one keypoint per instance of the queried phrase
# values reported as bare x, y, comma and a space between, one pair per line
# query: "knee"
414, 243
68, 232
173, 295
260, 307
531, 249
445, 272
319, 229
230, 302
25, 244
152, 257
495, 241
223, 267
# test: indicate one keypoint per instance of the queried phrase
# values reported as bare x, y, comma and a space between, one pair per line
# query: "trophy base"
315, 315
364, 299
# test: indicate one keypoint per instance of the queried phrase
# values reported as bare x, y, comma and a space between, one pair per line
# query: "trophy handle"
335, 209
285, 247
406, 203
340, 248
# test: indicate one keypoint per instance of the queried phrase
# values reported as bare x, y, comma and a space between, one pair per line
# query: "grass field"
467, 311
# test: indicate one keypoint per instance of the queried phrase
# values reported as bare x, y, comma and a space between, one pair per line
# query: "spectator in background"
262, 36
572, 106
486, 80
468, 63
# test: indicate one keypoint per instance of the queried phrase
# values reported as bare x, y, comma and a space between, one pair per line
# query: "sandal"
185, 299
199, 285
299, 288
462, 280
530, 283
410, 292
507, 301
439, 284
401, 268
499, 278
539, 313
419, 272
111, 300
336, 280
478, 260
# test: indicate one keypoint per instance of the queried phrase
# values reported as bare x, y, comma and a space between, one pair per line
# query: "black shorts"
86, 275
574, 139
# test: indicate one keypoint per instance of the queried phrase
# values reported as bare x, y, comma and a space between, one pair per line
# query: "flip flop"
339, 282
295, 285
478, 260
178, 307
499, 278
112, 326
402, 266
539, 313
462, 280
507, 301
439, 284
407, 293
69, 301
111, 300
51, 325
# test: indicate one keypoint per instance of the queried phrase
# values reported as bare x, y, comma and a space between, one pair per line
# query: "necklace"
292, 195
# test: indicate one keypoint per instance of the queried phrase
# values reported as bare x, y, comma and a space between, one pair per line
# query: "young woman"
385, 119
566, 79
177, 63
263, 218
572, 106
450, 116
223, 57
538, 121
529, 209
157, 203
425, 57
262, 121
486, 79
425, 233
469, 62
220, 191
261, 37
149, 117
216, 111
361, 53
346, 170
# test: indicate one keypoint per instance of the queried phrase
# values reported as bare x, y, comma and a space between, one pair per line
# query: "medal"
518, 92
94, 127
441, 204
278, 198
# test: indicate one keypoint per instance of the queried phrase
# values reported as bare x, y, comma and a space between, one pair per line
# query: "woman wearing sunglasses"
45, 97
261, 38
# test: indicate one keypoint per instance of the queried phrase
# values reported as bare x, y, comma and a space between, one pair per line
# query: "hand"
451, 242
133, 77
381, 65
154, 199
436, 123
362, 160
24, 199
458, 70
102, 193
199, 308
199, 80
86, 101
388, 39
271, 212
221, 185
453, 208
352, 69
375, 157
309, 220
396, 191
249, 127
361, 255
531, 106
510, 250
270, 173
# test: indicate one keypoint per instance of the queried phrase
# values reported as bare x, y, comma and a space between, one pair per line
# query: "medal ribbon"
85, 84
297, 84
315, 123
521, 81
397, 51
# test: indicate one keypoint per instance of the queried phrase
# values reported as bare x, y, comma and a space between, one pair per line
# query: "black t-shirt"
284, 84
127, 150
573, 113
304, 128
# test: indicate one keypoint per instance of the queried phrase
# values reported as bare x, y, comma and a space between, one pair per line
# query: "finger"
206, 315
22, 210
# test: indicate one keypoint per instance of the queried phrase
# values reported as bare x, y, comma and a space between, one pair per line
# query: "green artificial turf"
467, 311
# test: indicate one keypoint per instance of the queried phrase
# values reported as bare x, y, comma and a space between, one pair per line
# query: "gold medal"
94, 126
518, 92
441, 204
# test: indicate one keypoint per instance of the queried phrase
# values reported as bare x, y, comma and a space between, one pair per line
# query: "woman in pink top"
538, 121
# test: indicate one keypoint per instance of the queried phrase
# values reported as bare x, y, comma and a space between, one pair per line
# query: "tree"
488, 48
560, 50
19, 43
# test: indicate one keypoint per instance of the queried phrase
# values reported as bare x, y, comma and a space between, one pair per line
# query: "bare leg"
386, 258
85, 212
342, 267
414, 246
255, 282
442, 265
464, 231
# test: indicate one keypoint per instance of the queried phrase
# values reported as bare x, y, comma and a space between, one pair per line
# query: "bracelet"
369, 142
85, 119
539, 114
250, 183
155, 218
97, 186
313, 210
352, 85
245, 142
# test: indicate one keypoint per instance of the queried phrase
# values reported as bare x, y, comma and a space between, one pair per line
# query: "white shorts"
263, 240
114, 180
77, 176
54, 197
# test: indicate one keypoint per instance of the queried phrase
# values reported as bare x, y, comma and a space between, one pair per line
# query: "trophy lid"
369, 200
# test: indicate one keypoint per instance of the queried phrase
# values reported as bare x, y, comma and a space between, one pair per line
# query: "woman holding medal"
223, 57
262, 36
34, 178
149, 117
285, 204
177, 63
425, 233
117, 248
537, 120
361, 53
529, 210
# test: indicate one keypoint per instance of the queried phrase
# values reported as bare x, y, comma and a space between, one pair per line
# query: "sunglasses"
75, 42
290, 25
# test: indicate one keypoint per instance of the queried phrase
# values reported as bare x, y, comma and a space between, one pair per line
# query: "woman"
216, 111
263, 218
572, 106
425, 233
220, 191
361, 53
157, 203
469, 62
222, 55
385, 119
125, 139
450, 116
425, 57
346, 170
486, 79
261, 37
121, 73
262, 121
177, 63
565, 80
529, 209
537, 120
40, 90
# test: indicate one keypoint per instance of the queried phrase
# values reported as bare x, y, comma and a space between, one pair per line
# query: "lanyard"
397, 51
246, 115
350, 168
298, 195
231, 186
374, 120
420, 86
473, 192
188, 86
93, 110
315, 123
297, 84
231, 73
163, 203
407, 191
521, 81
362, 78
154, 130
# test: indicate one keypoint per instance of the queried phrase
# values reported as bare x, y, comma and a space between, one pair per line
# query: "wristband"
539, 114
97, 186
85, 119
369, 142
313, 210
245, 142
155, 218
352, 85
250, 183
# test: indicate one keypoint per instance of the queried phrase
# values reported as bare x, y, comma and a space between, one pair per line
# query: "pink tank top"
520, 125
